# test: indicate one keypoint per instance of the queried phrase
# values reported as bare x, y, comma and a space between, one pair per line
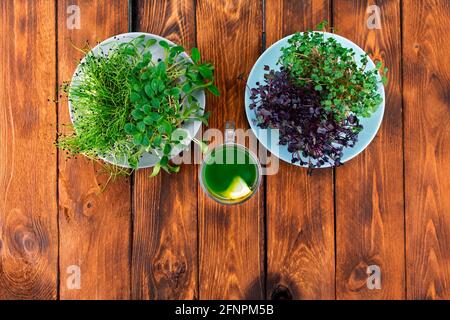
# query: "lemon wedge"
237, 189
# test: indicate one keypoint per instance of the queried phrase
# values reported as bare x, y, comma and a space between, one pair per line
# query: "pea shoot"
345, 87
126, 103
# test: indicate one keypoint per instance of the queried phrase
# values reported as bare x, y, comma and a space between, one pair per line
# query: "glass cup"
230, 173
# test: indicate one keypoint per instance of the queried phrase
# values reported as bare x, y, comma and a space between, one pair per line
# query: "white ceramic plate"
270, 57
192, 127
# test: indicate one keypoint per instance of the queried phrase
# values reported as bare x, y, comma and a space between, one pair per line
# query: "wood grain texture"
165, 208
94, 225
369, 188
427, 147
179, 244
28, 212
231, 238
300, 213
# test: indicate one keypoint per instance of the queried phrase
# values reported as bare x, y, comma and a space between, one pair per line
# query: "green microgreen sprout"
125, 103
313, 59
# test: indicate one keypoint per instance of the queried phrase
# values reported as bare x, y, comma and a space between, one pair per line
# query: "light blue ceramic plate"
191, 127
270, 57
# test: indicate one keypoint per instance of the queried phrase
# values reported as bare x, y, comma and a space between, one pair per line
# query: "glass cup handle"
229, 132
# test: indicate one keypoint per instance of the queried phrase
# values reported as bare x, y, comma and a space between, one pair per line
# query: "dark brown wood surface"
94, 225
28, 198
230, 238
300, 208
301, 237
369, 189
165, 208
426, 95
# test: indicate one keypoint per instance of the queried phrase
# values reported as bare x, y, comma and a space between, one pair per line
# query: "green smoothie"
230, 173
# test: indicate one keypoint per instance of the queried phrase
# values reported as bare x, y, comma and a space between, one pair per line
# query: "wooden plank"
426, 95
300, 208
28, 210
165, 218
369, 189
230, 238
94, 226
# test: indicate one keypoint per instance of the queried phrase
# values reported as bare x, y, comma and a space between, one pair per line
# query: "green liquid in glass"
230, 173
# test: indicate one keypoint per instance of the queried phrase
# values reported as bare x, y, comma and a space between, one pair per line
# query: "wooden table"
301, 237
